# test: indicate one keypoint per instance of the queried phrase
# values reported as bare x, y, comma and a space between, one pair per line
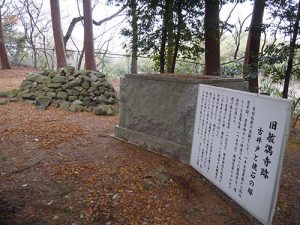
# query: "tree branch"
70, 29
97, 23
227, 19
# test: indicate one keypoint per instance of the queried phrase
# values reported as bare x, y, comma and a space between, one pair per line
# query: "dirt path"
59, 167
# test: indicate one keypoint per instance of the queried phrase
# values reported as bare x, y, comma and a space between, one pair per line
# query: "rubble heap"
68, 89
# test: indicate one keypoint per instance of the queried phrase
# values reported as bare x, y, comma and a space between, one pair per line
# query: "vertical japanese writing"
209, 126
208, 130
242, 160
268, 149
201, 127
237, 120
219, 134
224, 139
254, 167
213, 128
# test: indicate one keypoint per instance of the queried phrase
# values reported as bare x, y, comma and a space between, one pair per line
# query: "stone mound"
70, 89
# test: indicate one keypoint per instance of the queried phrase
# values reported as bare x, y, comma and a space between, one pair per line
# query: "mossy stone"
84, 93
103, 110
85, 85
59, 79
72, 98
54, 85
75, 108
43, 102
78, 88
75, 83
28, 95
73, 92
3, 94
51, 94
62, 95
4, 101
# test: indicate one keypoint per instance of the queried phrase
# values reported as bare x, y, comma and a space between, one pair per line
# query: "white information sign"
238, 144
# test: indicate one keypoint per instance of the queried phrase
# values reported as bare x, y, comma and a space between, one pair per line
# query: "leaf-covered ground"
12, 78
58, 167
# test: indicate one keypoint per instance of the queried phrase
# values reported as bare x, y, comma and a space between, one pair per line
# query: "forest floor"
58, 167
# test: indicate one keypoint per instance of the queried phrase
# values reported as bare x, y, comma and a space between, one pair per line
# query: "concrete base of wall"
155, 144
157, 112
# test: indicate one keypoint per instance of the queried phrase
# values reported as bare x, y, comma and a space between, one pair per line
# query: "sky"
240, 11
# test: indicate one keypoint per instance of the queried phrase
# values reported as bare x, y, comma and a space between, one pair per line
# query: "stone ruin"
70, 89
164, 124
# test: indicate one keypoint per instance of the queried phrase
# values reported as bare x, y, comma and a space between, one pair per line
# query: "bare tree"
29, 12
3, 53
237, 35
61, 57
97, 23
90, 62
222, 30
43, 43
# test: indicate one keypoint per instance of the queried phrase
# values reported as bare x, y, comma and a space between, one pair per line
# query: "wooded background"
166, 36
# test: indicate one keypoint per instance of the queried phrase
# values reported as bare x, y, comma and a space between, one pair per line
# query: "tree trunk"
162, 51
289, 68
3, 54
178, 34
61, 57
34, 55
212, 38
252, 50
134, 44
80, 59
170, 30
90, 62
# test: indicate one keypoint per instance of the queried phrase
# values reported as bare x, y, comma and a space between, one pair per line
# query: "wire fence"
113, 64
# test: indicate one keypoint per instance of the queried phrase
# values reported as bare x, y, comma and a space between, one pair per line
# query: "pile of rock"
71, 90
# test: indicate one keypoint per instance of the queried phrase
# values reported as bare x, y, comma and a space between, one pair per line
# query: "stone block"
72, 98
76, 82
59, 79
73, 92
3, 101
75, 108
103, 110
54, 85
85, 85
51, 94
27, 95
43, 102
162, 110
62, 95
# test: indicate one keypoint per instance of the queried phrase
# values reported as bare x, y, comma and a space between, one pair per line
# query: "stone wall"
158, 112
